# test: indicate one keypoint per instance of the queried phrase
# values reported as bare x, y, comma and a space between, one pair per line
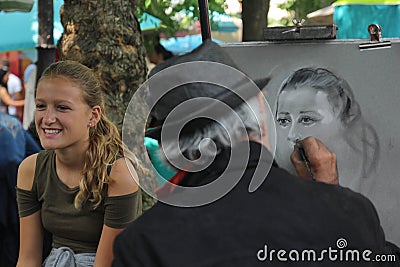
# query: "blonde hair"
105, 144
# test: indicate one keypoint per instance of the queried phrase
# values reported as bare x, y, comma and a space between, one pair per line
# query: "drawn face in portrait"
315, 102
304, 112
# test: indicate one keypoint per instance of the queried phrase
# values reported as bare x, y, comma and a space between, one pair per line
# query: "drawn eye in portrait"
316, 102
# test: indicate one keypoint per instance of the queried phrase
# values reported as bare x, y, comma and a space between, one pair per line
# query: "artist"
284, 212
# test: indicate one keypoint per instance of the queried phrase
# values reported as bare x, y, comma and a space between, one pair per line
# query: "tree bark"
105, 36
254, 18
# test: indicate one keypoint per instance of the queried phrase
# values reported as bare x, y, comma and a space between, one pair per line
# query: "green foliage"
176, 15
300, 8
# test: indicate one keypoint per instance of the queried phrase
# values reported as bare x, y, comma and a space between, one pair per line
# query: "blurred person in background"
14, 86
6, 102
15, 145
30, 85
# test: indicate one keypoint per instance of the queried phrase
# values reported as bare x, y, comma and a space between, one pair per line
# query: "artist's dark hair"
339, 92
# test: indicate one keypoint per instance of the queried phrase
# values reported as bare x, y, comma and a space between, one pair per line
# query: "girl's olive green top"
79, 230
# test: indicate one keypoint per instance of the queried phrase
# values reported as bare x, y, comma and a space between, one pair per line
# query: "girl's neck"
72, 158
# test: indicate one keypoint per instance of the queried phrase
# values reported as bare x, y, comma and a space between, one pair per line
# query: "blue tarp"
182, 45
19, 30
353, 20
149, 22
223, 23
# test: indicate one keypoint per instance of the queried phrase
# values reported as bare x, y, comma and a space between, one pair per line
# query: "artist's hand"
322, 161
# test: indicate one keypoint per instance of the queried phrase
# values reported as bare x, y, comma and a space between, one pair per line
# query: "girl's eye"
40, 106
61, 107
307, 120
283, 122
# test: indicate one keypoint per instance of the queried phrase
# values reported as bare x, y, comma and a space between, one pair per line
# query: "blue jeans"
65, 257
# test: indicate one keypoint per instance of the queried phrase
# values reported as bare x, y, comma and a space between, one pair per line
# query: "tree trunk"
254, 18
105, 36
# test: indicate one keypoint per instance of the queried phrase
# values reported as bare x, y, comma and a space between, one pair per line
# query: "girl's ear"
95, 115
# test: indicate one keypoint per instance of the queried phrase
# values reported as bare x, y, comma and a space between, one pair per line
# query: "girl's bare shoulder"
124, 179
26, 172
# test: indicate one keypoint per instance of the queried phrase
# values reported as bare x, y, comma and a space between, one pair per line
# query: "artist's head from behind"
201, 145
70, 118
201, 139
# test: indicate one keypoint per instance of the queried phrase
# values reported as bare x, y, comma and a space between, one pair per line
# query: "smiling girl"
82, 188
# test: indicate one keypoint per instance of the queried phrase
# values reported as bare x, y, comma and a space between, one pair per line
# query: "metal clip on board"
298, 25
375, 41
300, 32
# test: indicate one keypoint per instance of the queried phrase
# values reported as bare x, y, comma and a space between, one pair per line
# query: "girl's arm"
122, 184
7, 99
31, 233
31, 241
104, 254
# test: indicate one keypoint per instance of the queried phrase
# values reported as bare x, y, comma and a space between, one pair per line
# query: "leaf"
147, 3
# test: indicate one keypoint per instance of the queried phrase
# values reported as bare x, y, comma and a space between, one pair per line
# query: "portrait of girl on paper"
316, 102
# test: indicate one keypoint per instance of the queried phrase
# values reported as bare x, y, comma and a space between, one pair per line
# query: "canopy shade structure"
223, 23
353, 17
353, 20
323, 16
366, 2
185, 44
12, 6
19, 31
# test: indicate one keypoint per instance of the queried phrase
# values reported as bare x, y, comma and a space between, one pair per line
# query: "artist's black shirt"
285, 213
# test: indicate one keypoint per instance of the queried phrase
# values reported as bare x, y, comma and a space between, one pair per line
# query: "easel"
326, 32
